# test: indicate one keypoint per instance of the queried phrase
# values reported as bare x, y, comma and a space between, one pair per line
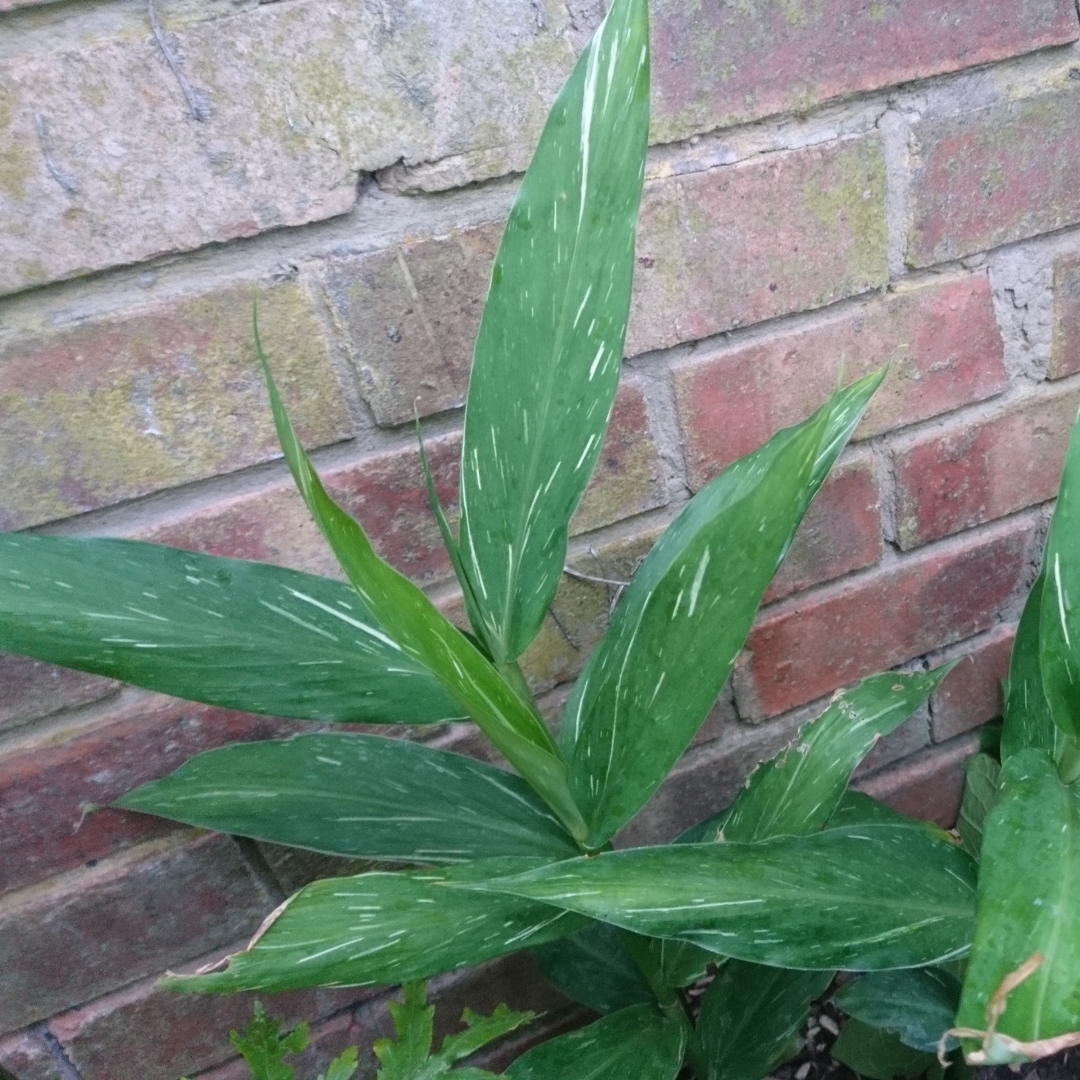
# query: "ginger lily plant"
798, 879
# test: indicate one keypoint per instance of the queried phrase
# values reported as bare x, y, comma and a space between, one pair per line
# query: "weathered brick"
978, 470
46, 785
1065, 343
410, 318
817, 642
387, 494
32, 689
312, 94
717, 63
994, 175
24, 1056
929, 785
93, 931
740, 243
169, 1033
971, 692
941, 341
840, 533
123, 406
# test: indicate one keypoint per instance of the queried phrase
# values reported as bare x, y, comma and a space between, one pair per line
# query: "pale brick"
24, 1056
1065, 343
31, 689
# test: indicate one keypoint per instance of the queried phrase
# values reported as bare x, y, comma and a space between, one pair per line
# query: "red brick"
93, 931
817, 642
1065, 344
169, 1033
978, 470
24, 1056
740, 243
387, 494
971, 692
717, 64
995, 175
46, 785
840, 533
32, 689
941, 341
929, 785
119, 407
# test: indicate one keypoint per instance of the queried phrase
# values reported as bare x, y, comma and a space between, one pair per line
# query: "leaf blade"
551, 339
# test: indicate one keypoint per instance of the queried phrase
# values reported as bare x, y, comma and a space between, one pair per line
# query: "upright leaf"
551, 339
1059, 624
861, 897
426, 636
749, 1017
649, 685
797, 792
382, 928
263, 1047
639, 1041
981, 776
359, 795
224, 631
414, 1022
1026, 953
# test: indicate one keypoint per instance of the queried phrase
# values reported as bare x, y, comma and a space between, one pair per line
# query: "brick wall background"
833, 183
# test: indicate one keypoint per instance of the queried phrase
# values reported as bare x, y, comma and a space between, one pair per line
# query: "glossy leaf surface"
551, 340
918, 1005
227, 632
867, 896
639, 1042
750, 1015
674, 637
359, 795
1029, 885
427, 637
797, 792
379, 928
1059, 624
981, 776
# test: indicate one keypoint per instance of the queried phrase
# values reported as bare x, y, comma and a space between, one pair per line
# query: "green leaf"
638, 1042
359, 795
1028, 907
678, 963
425, 635
673, 640
551, 340
982, 774
869, 896
343, 1066
918, 1005
797, 792
263, 1047
228, 632
381, 928
879, 1055
414, 1021
594, 967
480, 1030
1059, 622
750, 1014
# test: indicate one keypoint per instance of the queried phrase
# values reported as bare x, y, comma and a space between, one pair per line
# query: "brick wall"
832, 184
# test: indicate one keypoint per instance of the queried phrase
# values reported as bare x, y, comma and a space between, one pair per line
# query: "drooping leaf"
425, 635
1059, 622
918, 1005
797, 792
263, 1047
879, 1055
593, 967
1027, 928
861, 897
228, 632
673, 640
550, 344
750, 1014
381, 928
360, 795
638, 1041
981, 775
